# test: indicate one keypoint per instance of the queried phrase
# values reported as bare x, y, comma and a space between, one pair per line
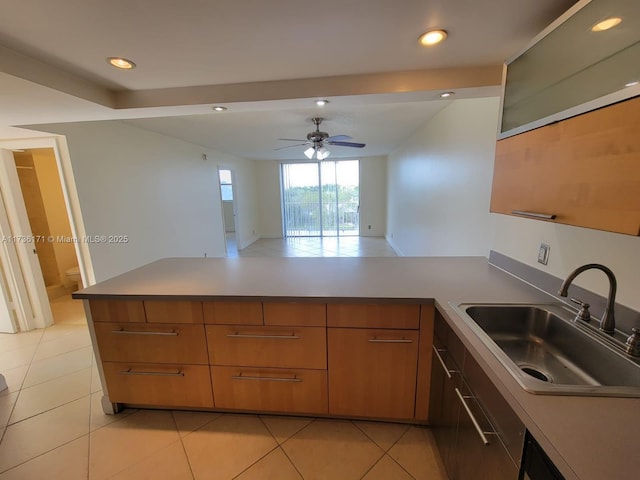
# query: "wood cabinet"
372, 373
266, 346
270, 389
478, 435
585, 170
147, 361
168, 385
358, 358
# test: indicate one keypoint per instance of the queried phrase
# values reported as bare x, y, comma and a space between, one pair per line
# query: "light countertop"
588, 438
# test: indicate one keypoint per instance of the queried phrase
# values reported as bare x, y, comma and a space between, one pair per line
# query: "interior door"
19, 252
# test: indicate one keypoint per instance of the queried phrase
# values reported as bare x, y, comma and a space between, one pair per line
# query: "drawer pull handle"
179, 373
266, 379
275, 337
390, 340
545, 216
130, 332
481, 433
441, 360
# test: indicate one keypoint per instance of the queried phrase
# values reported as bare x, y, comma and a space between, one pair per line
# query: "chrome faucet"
608, 322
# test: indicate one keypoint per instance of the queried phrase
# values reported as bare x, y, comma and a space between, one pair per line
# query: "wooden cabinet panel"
117, 311
236, 313
260, 346
585, 170
270, 390
295, 313
374, 315
174, 311
165, 343
425, 345
372, 373
159, 385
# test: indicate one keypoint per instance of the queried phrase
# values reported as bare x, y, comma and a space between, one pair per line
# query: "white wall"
373, 196
520, 238
269, 208
155, 189
439, 183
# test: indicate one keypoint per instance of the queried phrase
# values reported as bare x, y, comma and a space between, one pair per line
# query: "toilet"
73, 275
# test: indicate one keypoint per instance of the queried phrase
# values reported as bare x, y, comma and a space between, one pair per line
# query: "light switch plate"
543, 253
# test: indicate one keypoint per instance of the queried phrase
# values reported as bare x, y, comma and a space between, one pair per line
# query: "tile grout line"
184, 449
290, 437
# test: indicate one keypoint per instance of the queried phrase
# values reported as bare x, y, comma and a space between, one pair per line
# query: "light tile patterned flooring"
52, 427
313, 247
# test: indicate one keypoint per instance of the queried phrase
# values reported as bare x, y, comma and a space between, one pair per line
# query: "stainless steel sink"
547, 352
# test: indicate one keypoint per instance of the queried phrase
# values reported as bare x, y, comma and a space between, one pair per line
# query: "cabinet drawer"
159, 385
258, 346
233, 313
270, 390
372, 373
159, 311
166, 343
117, 311
295, 313
374, 315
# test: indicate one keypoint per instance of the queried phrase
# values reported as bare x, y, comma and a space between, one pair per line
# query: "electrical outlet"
543, 253
369, 227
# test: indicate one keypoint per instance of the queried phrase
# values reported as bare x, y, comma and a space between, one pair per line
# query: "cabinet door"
233, 313
478, 456
260, 346
372, 373
295, 313
162, 343
174, 311
159, 385
117, 311
443, 405
584, 170
270, 389
374, 315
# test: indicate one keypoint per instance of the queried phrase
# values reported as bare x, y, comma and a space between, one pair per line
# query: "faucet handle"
632, 345
583, 313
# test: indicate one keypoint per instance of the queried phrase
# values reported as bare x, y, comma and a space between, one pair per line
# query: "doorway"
43, 258
321, 199
227, 196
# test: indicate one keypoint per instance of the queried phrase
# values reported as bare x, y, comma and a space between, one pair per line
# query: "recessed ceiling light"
632, 84
219, 108
447, 94
121, 63
606, 24
432, 37
321, 102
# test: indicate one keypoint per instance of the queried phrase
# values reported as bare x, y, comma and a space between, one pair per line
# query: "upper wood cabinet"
583, 171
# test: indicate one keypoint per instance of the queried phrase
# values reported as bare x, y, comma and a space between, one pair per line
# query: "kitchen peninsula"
328, 315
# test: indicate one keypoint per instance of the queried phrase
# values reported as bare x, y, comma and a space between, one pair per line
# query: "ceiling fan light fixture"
121, 63
432, 37
322, 153
309, 152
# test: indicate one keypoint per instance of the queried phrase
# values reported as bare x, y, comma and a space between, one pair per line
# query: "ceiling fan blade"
289, 146
338, 138
293, 139
347, 144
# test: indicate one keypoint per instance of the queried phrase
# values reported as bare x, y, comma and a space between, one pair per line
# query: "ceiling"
266, 61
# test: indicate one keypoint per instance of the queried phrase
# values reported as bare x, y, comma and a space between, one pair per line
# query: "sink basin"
547, 352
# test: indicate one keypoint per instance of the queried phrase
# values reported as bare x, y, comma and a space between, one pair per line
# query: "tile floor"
52, 425
313, 247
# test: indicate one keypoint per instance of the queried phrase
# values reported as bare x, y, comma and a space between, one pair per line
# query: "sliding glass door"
321, 199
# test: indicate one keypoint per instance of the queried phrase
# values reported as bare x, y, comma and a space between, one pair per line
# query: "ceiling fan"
318, 140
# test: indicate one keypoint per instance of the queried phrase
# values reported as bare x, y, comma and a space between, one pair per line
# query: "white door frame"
235, 206
17, 219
